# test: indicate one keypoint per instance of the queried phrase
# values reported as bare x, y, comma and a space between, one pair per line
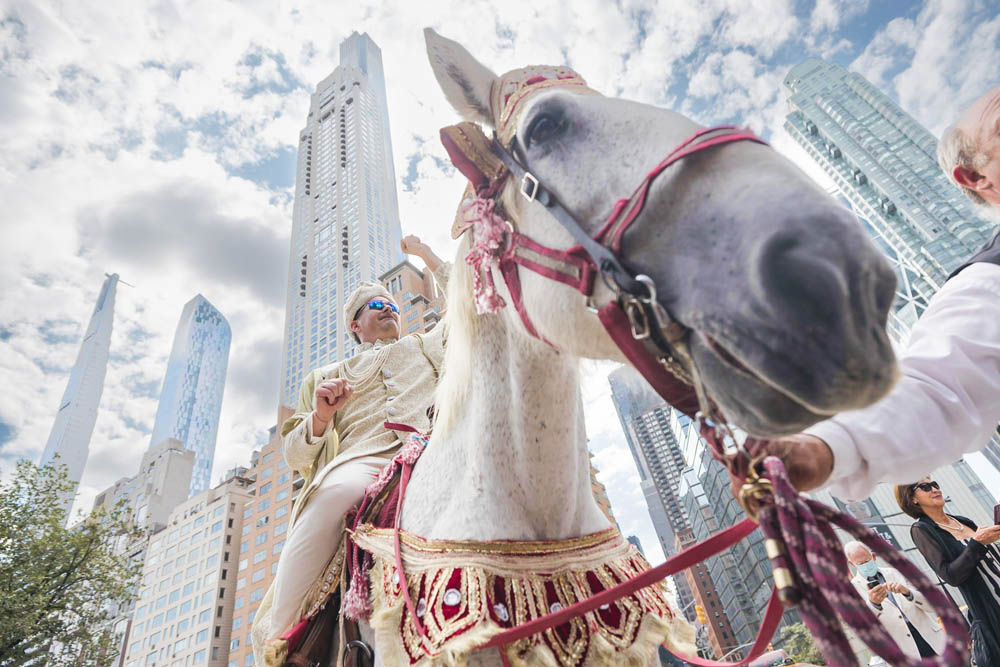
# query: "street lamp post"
738, 648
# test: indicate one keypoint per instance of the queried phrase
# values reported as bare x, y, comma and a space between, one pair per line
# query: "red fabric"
463, 163
296, 634
508, 269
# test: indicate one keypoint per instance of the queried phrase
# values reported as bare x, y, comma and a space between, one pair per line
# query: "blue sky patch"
288, 83
7, 433
276, 172
170, 144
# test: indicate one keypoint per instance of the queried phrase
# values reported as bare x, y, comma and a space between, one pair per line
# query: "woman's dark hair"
904, 498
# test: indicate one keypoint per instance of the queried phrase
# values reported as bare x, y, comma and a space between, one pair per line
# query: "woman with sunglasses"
962, 554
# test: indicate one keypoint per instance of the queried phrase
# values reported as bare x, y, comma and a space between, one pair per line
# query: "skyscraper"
345, 219
741, 574
884, 164
191, 398
184, 609
74, 424
658, 461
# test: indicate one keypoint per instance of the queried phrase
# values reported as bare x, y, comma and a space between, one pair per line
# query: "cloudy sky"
157, 140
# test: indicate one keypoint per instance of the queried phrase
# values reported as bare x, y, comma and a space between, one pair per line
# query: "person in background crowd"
904, 612
961, 554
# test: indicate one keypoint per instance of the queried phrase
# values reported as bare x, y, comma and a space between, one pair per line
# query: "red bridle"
638, 324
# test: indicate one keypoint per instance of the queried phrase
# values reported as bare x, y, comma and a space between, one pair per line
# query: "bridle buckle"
636, 315
529, 181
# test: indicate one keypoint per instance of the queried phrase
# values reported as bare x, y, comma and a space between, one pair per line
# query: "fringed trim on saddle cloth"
466, 592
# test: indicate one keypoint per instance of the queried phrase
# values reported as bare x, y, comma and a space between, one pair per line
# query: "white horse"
783, 297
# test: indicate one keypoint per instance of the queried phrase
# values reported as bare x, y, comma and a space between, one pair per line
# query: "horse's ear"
465, 81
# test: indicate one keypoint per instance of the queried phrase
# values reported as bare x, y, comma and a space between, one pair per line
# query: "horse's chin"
747, 400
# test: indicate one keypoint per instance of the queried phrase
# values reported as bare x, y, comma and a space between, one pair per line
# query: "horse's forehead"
512, 90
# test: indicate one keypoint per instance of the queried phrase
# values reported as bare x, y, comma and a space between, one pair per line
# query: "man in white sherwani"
338, 439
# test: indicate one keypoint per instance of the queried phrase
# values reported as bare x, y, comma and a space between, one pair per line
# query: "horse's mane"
463, 322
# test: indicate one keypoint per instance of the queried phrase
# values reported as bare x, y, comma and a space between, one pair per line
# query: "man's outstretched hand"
412, 245
807, 459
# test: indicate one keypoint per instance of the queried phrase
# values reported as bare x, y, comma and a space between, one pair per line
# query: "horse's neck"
514, 464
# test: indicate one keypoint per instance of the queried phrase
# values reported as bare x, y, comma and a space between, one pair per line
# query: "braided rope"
814, 556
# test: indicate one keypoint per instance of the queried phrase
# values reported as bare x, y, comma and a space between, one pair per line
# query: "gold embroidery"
517, 547
621, 632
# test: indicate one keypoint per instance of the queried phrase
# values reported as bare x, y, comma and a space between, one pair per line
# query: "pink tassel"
357, 604
490, 243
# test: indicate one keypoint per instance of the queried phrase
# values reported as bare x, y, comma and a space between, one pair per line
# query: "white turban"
365, 292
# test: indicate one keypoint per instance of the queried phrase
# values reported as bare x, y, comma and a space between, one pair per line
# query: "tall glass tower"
345, 220
191, 398
659, 462
74, 424
884, 164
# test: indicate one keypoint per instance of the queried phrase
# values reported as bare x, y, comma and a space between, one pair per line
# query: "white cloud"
828, 15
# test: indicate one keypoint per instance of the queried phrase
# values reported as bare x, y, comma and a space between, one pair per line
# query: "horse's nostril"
885, 290
798, 279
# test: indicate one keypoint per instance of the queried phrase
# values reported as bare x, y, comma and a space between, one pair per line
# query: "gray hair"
958, 149
853, 547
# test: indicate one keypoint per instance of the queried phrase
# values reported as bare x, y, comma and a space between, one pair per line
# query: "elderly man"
947, 401
345, 429
904, 612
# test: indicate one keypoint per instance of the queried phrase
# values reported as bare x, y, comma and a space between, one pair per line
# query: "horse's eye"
544, 128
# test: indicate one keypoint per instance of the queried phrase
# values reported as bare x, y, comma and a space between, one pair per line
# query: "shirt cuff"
310, 438
848, 463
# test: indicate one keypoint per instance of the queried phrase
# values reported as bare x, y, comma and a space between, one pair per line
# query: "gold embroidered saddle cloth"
466, 592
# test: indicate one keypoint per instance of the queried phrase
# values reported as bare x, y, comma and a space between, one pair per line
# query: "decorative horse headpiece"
470, 149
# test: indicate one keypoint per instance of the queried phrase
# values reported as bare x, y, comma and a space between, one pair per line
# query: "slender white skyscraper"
191, 398
345, 226
70, 436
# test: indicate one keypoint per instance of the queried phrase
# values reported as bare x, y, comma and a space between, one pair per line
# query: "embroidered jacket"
400, 392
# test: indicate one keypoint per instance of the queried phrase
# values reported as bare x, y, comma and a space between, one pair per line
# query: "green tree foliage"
798, 643
58, 585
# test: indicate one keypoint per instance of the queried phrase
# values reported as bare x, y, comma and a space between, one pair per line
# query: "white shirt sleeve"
947, 400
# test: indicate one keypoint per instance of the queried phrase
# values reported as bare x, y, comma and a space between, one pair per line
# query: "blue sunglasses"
377, 304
